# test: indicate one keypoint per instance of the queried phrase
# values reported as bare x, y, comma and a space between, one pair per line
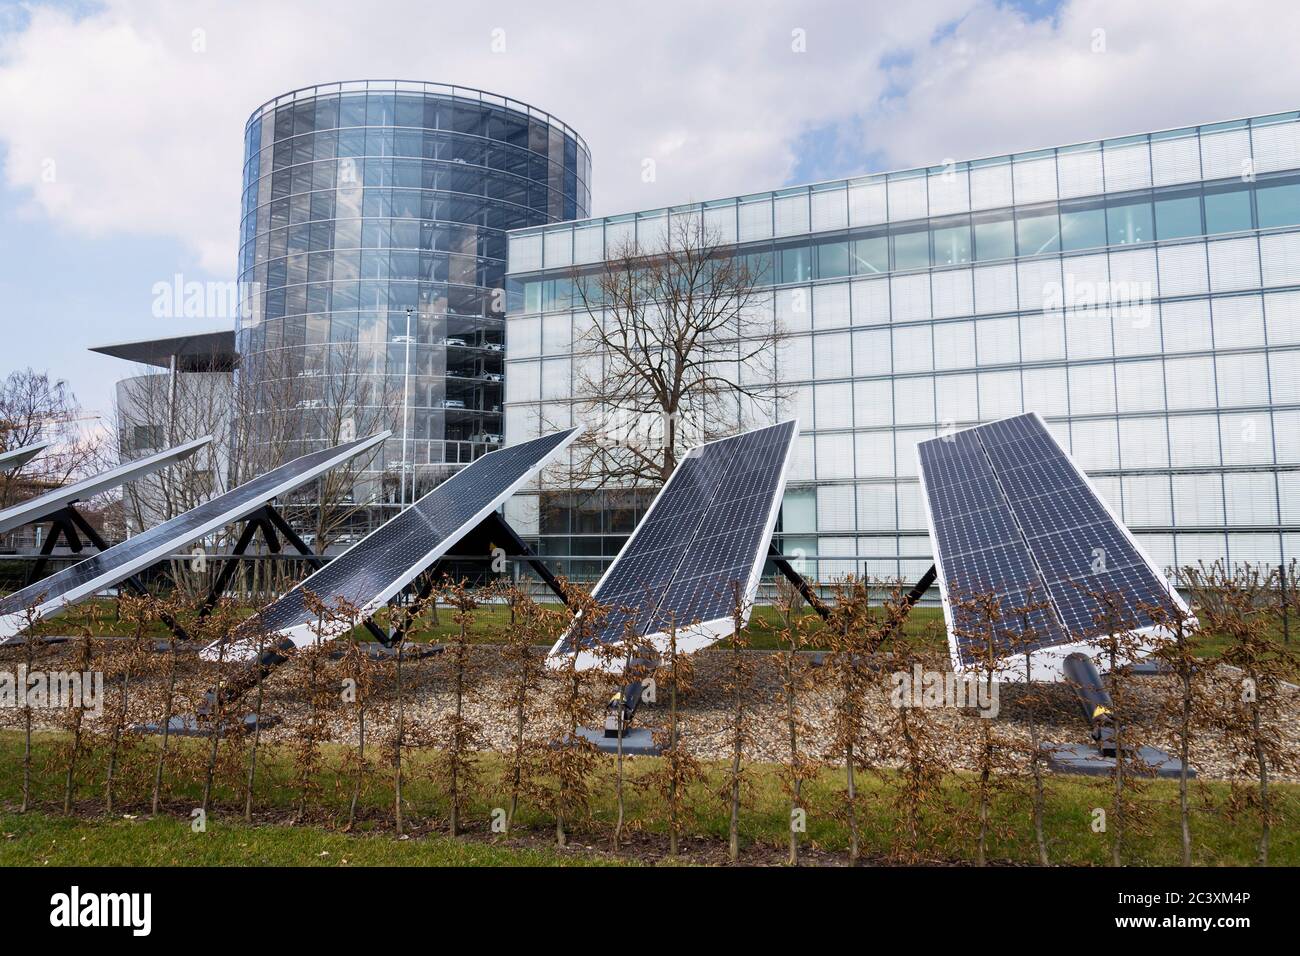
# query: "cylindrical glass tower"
372, 256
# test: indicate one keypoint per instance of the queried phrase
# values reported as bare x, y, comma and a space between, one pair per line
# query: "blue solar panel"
701, 545
34, 509
370, 573
118, 563
1012, 514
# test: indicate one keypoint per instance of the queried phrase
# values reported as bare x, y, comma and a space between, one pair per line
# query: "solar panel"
1010, 513
705, 537
17, 457
103, 570
45, 505
378, 567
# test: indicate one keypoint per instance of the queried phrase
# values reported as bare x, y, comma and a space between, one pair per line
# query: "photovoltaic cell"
1011, 514
103, 570
378, 567
702, 544
44, 505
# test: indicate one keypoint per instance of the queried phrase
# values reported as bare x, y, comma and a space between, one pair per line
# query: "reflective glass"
952, 245
832, 260
912, 250
1037, 232
994, 239
871, 256
1083, 225
1278, 205
1178, 217
1129, 222
1227, 209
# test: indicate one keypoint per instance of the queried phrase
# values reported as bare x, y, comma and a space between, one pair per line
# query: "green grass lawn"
924, 625
90, 838
41, 838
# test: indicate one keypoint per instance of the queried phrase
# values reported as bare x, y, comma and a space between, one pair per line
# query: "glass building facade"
372, 260
1142, 294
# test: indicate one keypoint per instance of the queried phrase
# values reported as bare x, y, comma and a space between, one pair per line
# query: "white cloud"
999, 84
145, 135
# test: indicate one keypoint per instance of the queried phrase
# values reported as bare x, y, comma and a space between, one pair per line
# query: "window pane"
1083, 226
1129, 222
1038, 232
1227, 210
994, 240
871, 256
952, 245
912, 250
1178, 217
832, 260
796, 264
1278, 205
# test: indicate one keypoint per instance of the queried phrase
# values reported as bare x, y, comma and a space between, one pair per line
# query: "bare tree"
35, 408
1187, 711
531, 624
677, 767
1237, 605
677, 349
796, 683
1025, 640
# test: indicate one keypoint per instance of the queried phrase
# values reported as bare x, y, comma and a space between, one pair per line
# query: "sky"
121, 121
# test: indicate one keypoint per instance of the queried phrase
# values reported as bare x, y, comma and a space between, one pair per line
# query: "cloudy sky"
121, 121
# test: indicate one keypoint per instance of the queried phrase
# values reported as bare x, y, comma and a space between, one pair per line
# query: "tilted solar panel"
17, 457
378, 567
40, 507
703, 540
103, 570
1010, 513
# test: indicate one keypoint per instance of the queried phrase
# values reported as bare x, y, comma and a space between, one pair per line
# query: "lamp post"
406, 410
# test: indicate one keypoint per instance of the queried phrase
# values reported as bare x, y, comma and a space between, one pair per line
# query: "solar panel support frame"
801, 584
66, 523
272, 525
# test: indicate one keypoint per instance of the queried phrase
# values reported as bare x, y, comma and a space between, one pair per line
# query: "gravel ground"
705, 719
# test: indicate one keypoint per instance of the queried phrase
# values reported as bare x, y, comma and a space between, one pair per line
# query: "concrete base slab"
378, 652
1086, 760
637, 742
193, 727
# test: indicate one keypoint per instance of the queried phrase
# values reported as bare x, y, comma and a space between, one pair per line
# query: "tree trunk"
401, 727
737, 748
673, 823
114, 748
1261, 762
166, 729
792, 726
1184, 754
27, 733
69, 783
257, 739
361, 745
457, 742
517, 770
